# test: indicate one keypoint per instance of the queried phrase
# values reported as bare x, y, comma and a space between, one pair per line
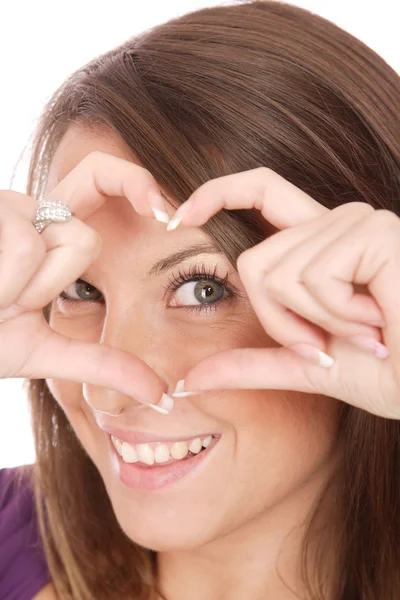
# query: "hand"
35, 268
326, 288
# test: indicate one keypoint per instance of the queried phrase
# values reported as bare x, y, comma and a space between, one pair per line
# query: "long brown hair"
214, 92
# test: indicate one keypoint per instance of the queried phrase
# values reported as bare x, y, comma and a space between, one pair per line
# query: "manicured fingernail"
180, 393
314, 354
178, 216
370, 345
166, 402
158, 207
173, 224
165, 405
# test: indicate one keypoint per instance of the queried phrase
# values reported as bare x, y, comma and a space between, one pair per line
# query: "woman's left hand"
326, 287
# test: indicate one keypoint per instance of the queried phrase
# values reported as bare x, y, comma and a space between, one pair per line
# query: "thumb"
249, 368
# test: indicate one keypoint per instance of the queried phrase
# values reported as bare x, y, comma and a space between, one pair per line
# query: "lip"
143, 437
145, 478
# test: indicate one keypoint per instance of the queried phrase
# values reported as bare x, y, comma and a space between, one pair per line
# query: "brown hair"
214, 92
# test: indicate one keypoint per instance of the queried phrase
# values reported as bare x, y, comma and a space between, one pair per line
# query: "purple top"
23, 569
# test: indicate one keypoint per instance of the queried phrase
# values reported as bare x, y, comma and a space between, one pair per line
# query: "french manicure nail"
314, 354
160, 215
157, 408
158, 207
166, 402
370, 345
173, 224
165, 405
178, 216
180, 393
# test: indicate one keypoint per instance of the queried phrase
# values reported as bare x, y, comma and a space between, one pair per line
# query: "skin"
220, 531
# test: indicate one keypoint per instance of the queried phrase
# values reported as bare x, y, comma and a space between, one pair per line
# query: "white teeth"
145, 454
207, 441
195, 446
161, 453
129, 453
118, 445
158, 452
179, 450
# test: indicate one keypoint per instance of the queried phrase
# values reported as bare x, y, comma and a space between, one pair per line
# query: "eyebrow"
174, 259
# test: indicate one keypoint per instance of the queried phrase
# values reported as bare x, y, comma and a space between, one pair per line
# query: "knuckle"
389, 223
145, 173
356, 208
90, 161
387, 219
275, 283
263, 171
88, 239
244, 261
312, 276
28, 250
93, 157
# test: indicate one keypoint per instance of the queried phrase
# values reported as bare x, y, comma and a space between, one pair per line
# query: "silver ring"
51, 211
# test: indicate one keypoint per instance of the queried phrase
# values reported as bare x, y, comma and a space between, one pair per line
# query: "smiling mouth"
161, 453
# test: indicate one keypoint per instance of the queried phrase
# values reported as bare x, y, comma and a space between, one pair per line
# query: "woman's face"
270, 448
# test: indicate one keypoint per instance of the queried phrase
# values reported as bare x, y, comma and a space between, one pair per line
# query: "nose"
133, 332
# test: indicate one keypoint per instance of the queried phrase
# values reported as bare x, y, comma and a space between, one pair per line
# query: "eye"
198, 292
199, 289
82, 290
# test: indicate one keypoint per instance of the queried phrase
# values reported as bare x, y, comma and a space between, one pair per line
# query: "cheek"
280, 440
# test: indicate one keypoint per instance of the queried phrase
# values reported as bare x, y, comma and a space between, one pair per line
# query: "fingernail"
371, 345
173, 224
165, 405
314, 354
180, 393
178, 216
158, 207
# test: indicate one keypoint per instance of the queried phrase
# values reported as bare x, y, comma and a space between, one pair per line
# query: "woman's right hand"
35, 268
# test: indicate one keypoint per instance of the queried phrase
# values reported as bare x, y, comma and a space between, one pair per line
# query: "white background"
43, 41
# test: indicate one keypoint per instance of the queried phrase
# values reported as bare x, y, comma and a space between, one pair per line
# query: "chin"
165, 531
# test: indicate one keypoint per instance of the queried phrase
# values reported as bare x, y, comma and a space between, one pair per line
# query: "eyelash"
194, 273
201, 274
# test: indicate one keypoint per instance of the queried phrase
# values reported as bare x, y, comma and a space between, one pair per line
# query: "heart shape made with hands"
300, 281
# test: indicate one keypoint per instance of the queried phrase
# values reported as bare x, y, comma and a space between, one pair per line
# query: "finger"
314, 262
281, 203
21, 254
50, 355
100, 176
285, 284
250, 369
22, 204
72, 247
355, 377
372, 258
284, 307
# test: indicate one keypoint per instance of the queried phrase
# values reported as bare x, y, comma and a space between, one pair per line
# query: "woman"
264, 334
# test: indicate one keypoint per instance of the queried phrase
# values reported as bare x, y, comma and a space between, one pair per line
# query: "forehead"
78, 142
